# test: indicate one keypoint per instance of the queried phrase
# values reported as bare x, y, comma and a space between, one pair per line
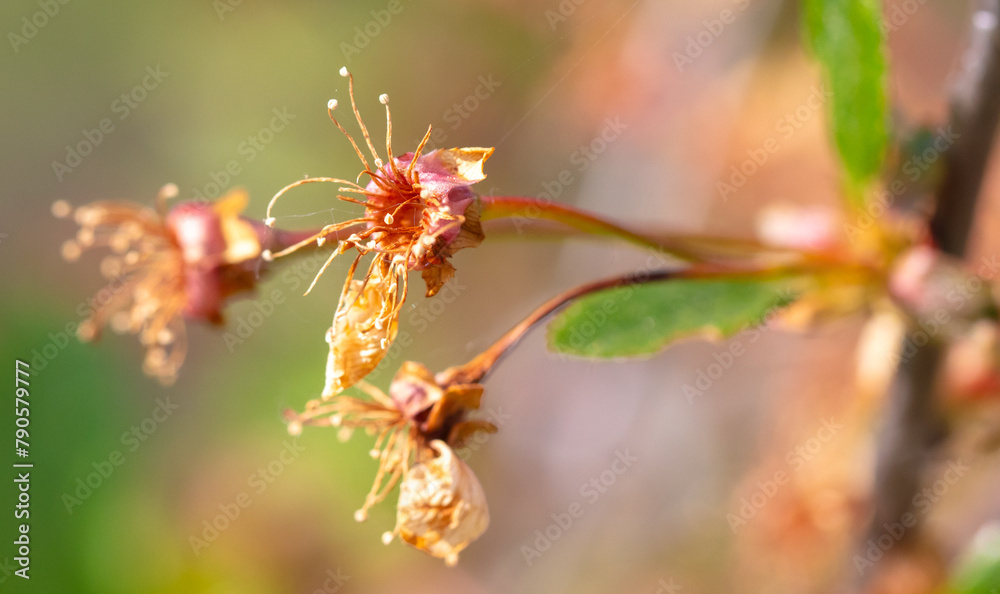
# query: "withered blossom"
165, 267
441, 507
419, 210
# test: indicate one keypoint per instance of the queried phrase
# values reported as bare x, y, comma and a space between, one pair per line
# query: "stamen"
357, 116
321, 271
269, 221
330, 106
267, 256
384, 100
308, 180
166, 193
416, 153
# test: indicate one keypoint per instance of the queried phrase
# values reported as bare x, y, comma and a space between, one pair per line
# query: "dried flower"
419, 211
441, 506
164, 268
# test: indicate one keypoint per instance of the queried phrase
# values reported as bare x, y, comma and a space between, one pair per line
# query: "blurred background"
647, 104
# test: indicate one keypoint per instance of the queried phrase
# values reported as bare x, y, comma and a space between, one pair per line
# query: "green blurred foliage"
847, 38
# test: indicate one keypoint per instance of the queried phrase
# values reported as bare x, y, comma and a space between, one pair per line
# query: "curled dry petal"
442, 507
363, 328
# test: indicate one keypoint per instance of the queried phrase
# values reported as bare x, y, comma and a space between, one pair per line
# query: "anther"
170, 191
331, 104
267, 256
269, 221
61, 209
388, 219
344, 72
383, 99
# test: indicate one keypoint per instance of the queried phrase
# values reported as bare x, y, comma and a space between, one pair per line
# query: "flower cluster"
442, 507
418, 211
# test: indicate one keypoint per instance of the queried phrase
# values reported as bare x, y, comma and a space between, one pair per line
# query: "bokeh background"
558, 72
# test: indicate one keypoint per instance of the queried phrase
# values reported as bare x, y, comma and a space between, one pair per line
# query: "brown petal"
471, 233
461, 432
455, 399
436, 276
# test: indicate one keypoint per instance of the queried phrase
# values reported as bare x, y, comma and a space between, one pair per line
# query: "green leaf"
979, 572
641, 319
847, 38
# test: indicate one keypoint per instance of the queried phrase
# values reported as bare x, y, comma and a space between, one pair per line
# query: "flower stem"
495, 207
279, 240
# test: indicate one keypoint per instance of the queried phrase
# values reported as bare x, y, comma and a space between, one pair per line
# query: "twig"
915, 424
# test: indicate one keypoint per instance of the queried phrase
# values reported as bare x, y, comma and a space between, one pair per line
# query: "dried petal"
361, 334
242, 241
413, 389
442, 507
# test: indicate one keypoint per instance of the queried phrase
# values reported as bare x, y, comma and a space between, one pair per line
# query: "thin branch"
916, 426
